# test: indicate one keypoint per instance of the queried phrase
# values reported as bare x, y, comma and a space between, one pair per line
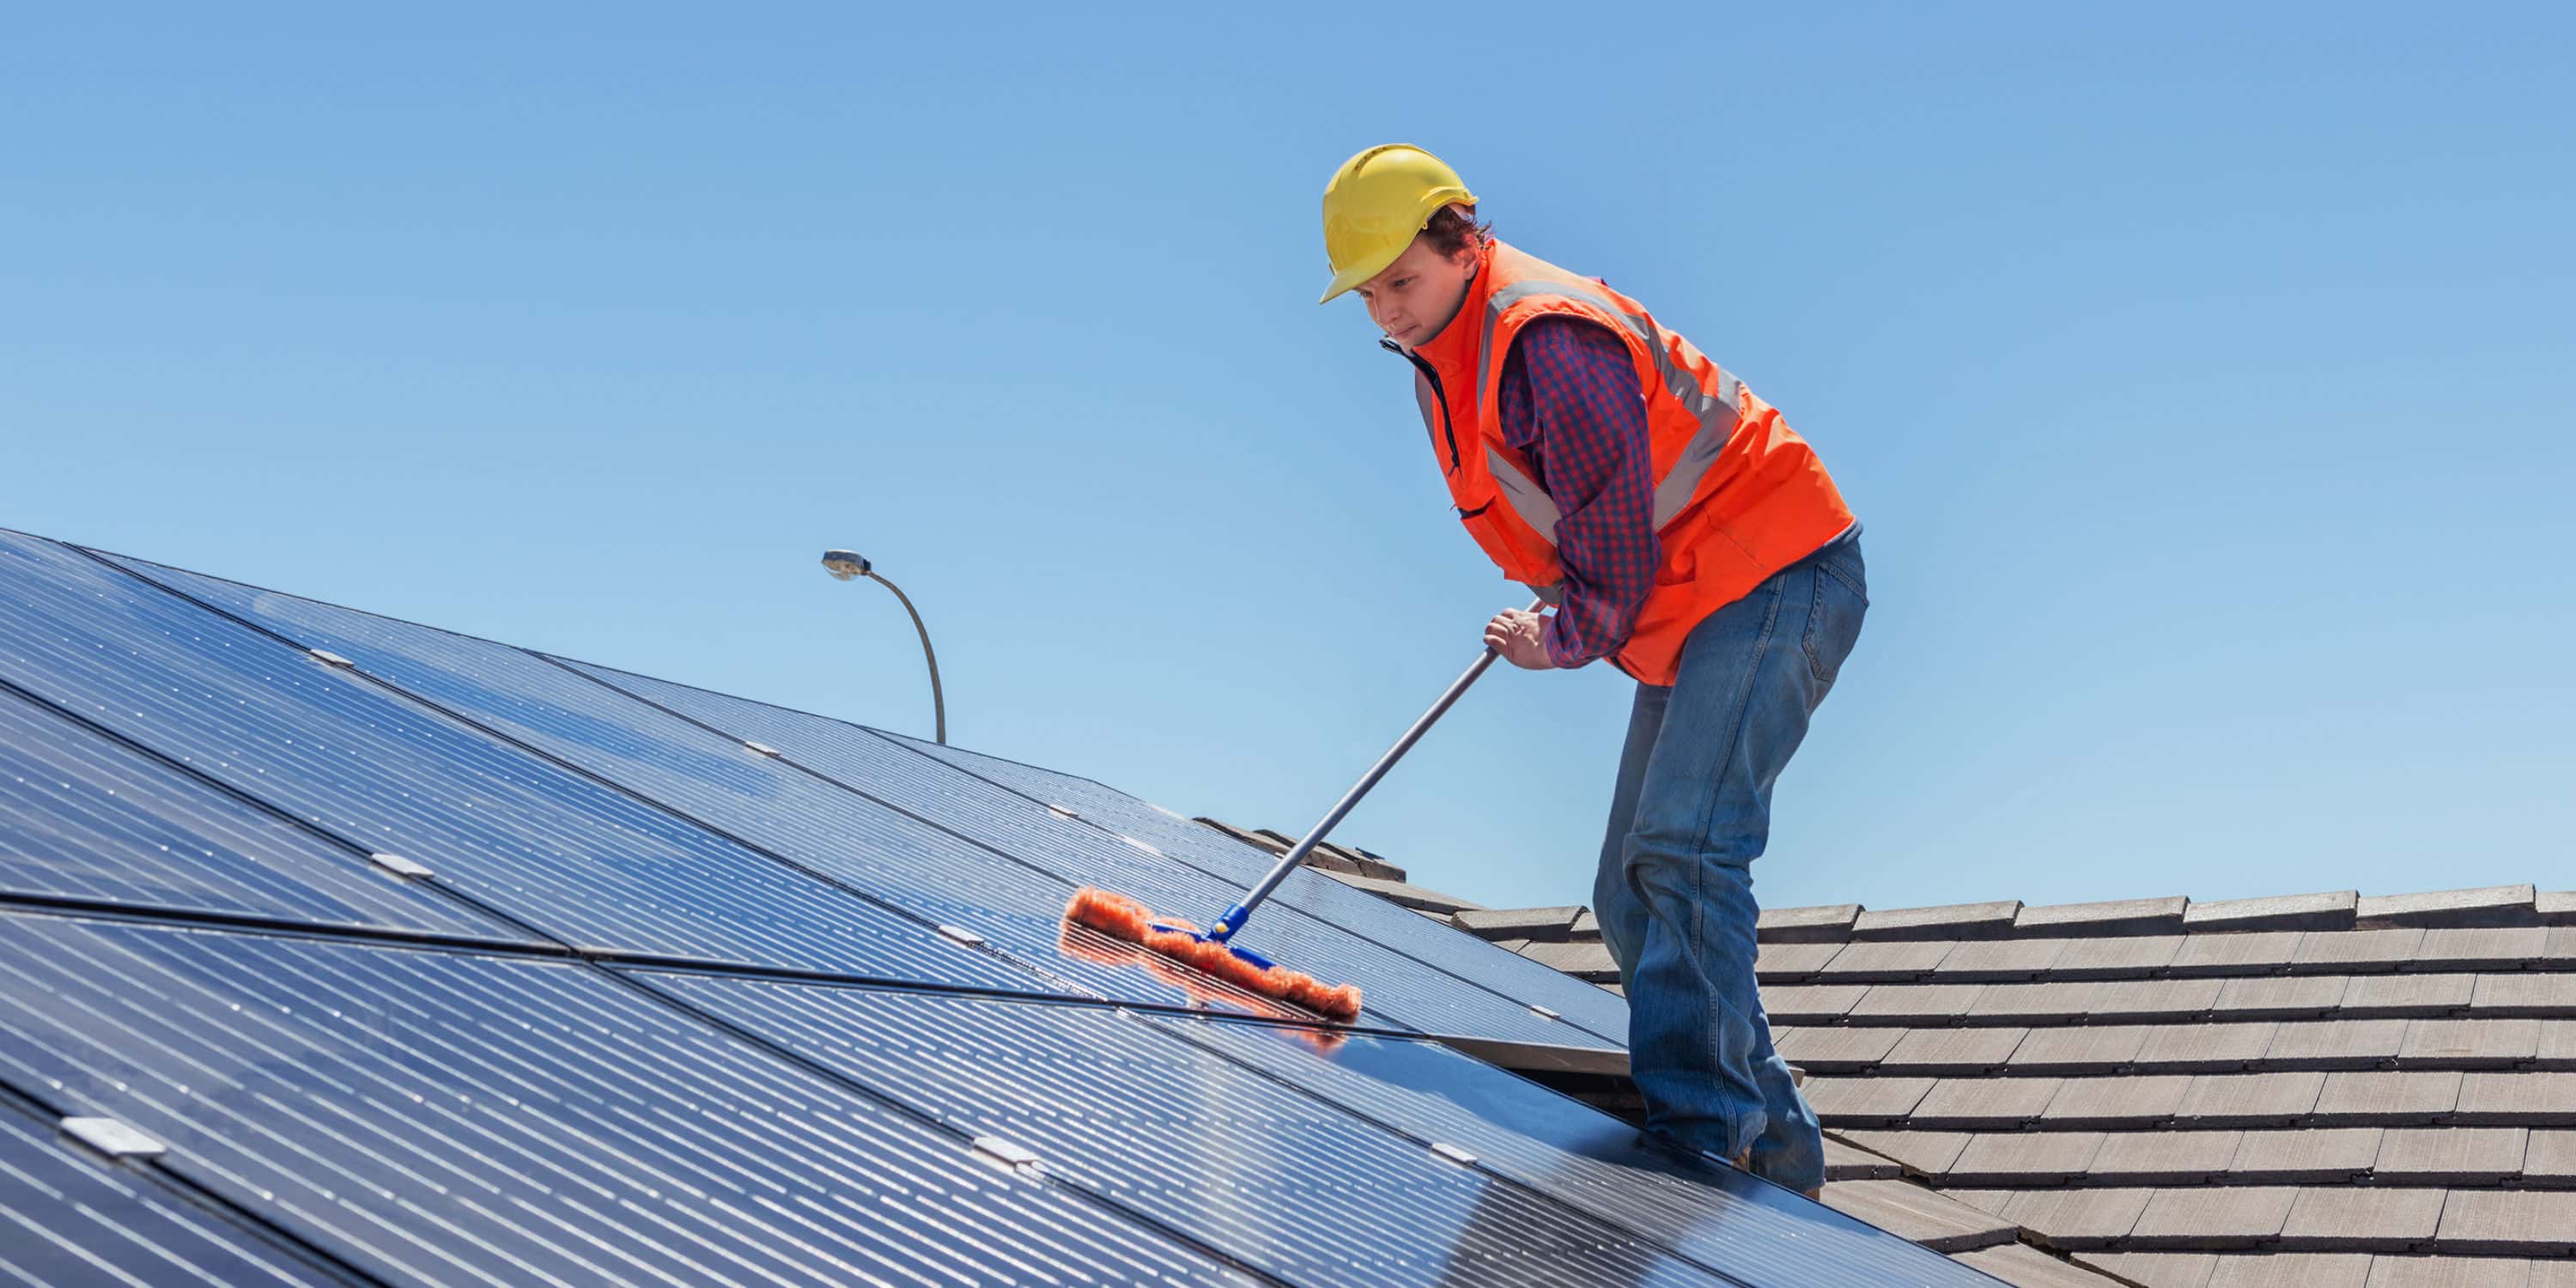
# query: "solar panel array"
340, 950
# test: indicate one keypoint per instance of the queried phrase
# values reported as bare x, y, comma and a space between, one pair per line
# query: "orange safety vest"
1738, 494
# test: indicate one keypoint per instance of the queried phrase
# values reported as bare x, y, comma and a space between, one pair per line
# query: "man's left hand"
1521, 637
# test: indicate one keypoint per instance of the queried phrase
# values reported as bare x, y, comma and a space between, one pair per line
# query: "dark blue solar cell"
67, 1217
445, 1118
1296, 1186
943, 844
85, 817
1714, 1214
579, 860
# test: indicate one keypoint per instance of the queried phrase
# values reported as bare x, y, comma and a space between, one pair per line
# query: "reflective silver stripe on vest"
1716, 413
1524, 495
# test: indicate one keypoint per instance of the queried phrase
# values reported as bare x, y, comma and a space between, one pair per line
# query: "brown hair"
1450, 231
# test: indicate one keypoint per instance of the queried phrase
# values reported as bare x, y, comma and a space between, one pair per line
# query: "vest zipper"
1438, 395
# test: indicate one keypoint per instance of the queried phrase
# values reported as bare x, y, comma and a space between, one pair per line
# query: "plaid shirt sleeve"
1569, 402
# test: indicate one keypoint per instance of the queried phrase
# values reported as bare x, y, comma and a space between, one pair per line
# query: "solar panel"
70, 1218
993, 789
423, 959
949, 847
559, 853
435, 1117
87, 820
1451, 951
1360, 1159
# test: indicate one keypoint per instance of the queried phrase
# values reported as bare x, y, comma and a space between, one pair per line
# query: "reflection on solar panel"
410, 958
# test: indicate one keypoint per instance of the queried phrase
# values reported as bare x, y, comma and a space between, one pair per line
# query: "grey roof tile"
2114, 917
2162, 1157
2380, 996
1414, 897
2027, 1267
1989, 1201
2248, 1099
1518, 923
1950, 921
2162, 1000
2530, 1099
2526, 1222
2245, 954
1837, 1049
2116, 1102
2557, 1046
2000, 960
1586, 926
2553, 1274
1913, 1212
2549, 996
2236, 1216
1951, 1052
2507, 948
1930, 1004
2082, 1218
2087, 1049
2115, 957
2286, 997
2348, 950
2292, 1270
1849, 1163
2306, 1154
2205, 1048
2448, 1272
2154, 1269
2459, 1044
1927, 1152
2025, 1158
1865, 1101
1830, 923
1260, 840
1809, 1003
1886, 961
2362, 1218
2395, 1098
2556, 907
2490, 906
2550, 1158
2339, 1044
1984, 1103
1583, 961
2330, 910
2450, 1155
2043, 1003
1789, 963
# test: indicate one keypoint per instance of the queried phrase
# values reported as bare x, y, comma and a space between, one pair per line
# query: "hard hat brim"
1357, 273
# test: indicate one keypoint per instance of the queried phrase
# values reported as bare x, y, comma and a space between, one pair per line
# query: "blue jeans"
1691, 812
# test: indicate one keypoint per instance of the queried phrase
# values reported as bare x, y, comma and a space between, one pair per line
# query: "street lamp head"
844, 564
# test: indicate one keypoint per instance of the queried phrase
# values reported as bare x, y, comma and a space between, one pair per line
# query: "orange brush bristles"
1123, 918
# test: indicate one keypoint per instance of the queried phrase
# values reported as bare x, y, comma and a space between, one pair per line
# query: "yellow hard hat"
1376, 203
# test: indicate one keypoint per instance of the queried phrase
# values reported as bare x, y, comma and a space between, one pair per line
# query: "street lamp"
847, 564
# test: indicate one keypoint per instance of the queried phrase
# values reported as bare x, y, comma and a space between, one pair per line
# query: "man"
1680, 530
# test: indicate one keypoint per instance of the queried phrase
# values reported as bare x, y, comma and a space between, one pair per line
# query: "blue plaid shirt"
1570, 403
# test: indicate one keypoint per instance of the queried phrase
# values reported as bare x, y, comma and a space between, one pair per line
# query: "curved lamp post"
845, 565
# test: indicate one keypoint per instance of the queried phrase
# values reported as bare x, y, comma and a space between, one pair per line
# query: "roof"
340, 950
2312, 1090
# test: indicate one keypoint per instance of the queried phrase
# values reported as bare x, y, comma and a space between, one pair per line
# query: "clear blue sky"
2204, 379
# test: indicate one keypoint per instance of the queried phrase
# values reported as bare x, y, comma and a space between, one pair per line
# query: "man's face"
1419, 293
